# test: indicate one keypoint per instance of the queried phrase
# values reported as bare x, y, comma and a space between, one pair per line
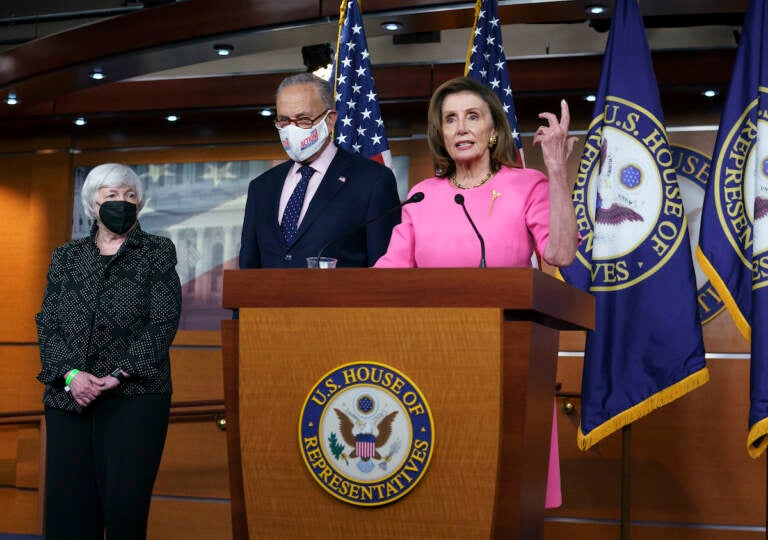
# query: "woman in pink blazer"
517, 211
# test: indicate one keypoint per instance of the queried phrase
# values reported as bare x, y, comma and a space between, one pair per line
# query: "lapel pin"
494, 195
342, 179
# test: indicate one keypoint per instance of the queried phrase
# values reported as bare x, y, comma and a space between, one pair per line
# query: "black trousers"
101, 466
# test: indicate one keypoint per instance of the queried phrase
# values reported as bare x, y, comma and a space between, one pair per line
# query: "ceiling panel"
176, 40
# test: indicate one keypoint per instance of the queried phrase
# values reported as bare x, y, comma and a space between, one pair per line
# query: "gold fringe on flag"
757, 433
725, 295
657, 400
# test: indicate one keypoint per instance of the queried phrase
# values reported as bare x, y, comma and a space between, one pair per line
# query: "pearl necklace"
460, 186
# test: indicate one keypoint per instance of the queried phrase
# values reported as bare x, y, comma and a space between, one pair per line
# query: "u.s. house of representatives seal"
741, 176
366, 433
627, 201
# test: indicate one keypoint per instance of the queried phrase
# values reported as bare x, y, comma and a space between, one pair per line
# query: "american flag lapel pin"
342, 179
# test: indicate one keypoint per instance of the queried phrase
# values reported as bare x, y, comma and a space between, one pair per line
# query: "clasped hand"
86, 387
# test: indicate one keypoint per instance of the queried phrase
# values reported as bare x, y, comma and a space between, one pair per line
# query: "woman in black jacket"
110, 312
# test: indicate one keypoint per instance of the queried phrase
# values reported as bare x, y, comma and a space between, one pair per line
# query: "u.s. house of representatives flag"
359, 127
487, 63
733, 243
646, 349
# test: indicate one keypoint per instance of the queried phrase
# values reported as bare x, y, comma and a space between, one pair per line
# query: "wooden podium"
481, 345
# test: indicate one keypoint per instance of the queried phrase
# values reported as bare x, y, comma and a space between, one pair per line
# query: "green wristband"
71, 376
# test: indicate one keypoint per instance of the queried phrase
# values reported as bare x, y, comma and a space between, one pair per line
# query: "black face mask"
118, 216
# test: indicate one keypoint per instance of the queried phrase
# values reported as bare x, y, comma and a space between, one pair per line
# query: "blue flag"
646, 349
359, 127
487, 63
733, 243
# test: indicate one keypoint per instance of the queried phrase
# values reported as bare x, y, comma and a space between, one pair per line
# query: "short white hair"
109, 175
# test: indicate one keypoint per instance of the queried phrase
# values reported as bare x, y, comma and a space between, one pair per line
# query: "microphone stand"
416, 197
459, 199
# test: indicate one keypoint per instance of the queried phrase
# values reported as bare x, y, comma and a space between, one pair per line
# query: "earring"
492, 141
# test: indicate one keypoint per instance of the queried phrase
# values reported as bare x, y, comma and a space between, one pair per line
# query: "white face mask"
300, 143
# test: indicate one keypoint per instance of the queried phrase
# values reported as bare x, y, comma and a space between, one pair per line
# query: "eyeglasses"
304, 122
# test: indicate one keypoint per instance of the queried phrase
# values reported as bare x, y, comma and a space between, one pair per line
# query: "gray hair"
322, 86
109, 175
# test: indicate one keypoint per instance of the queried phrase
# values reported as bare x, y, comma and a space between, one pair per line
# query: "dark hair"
503, 153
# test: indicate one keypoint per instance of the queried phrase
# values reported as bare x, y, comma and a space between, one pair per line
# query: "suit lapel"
326, 191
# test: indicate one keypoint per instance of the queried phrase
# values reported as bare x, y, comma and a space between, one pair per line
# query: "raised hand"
556, 145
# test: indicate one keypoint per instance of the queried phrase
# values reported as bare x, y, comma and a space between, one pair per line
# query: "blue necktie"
292, 210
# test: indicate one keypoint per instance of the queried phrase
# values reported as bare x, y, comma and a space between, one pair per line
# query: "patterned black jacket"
97, 317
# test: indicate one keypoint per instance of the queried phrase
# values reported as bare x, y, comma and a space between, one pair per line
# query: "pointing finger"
565, 114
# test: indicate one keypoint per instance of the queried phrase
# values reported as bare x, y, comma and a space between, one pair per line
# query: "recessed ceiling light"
80, 121
97, 75
591, 98
223, 49
265, 112
595, 10
392, 26
709, 93
172, 117
12, 99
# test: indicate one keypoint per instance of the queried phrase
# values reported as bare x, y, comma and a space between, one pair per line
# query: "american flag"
359, 127
487, 63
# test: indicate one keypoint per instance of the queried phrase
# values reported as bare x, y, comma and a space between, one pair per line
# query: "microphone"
459, 199
416, 197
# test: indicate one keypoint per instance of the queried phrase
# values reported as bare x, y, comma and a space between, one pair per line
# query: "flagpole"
626, 462
478, 7
342, 18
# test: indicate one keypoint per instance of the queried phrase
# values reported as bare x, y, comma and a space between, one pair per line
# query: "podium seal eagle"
366, 433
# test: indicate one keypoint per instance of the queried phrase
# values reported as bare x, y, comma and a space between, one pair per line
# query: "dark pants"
101, 466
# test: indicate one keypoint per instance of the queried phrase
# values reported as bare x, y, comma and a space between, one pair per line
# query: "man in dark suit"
320, 194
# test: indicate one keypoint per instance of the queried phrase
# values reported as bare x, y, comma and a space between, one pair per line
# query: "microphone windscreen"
459, 198
417, 197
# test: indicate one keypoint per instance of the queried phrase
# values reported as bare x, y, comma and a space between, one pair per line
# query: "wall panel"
28, 457
19, 390
171, 519
196, 374
36, 193
9, 436
19, 511
194, 461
